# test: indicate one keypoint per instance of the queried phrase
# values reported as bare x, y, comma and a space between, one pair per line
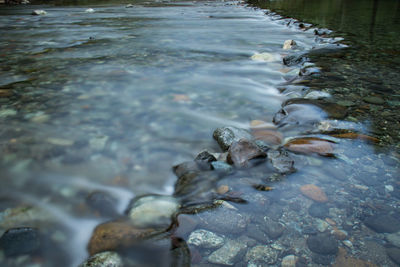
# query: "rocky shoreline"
234, 206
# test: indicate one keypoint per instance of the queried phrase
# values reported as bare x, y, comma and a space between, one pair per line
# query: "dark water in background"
109, 101
371, 64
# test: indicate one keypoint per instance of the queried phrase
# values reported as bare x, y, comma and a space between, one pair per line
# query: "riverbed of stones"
257, 201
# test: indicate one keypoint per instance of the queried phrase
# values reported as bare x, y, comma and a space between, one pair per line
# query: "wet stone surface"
94, 118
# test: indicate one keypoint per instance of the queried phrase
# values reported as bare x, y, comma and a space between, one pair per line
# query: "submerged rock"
394, 254
243, 151
229, 253
153, 211
269, 136
20, 241
308, 145
383, 223
103, 203
221, 167
103, 259
205, 239
268, 57
216, 220
114, 235
264, 255
281, 161
289, 261
225, 136
318, 210
314, 192
323, 244
205, 156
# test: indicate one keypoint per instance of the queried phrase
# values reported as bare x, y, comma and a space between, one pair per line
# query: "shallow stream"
107, 101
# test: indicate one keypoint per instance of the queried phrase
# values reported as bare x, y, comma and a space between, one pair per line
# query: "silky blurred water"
111, 100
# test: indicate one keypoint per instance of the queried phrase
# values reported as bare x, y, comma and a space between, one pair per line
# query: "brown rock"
310, 145
241, 152
314, 192
257, 124
5, 93
343, 260
116, 234
222, 189
357, 136
269, 136
339, 234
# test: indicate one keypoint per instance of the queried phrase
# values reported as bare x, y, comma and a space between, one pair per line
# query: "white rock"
103, 259
89, 10
348, 243
205, 239
267, 57
322, 225
129, 6
289, 44
389, 188
7, 112
153, 211
317, 95
59, 141
289, 261
38, 12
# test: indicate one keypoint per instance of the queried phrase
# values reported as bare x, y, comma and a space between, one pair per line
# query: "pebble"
389, 188
273, 229
225, 136
38, 12
20, 241
103, 259
322, 244
314, 192
322, 225
205, 239
289, 261
348, 243
223, 189
339, 234
383, 223
229, 253
153, 211
261, 254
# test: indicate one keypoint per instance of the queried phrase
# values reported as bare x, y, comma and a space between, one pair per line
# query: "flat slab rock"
383, 223
229, 253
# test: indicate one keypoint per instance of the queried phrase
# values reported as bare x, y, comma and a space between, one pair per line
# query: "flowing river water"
97, 106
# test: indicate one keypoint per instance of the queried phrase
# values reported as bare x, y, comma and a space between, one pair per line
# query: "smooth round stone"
205, 239
383, 223
289, 261
323, 244
20, 241
103, 259
153, 210
374, 100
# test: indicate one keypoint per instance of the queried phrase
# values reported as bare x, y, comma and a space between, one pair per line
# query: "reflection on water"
97, 107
